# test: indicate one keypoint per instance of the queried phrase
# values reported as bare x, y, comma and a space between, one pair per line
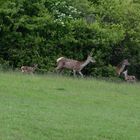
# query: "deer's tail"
59, 59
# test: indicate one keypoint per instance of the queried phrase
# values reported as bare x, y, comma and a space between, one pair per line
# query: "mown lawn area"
37, 107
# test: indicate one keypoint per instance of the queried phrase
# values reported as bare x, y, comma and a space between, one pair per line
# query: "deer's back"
70, 64
27, 69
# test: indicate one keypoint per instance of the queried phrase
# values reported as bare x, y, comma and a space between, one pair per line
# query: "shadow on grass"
60, 89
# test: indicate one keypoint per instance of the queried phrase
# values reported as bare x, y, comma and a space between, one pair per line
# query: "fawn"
28, 69
129, 78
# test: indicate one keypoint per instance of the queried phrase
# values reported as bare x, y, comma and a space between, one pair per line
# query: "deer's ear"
90, 54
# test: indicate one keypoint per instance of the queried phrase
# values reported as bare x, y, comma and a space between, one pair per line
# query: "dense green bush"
40, 31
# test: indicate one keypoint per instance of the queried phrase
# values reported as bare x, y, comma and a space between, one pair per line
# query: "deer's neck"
121, 68
84, 63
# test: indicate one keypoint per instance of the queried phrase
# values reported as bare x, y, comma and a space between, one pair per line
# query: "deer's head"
125, 62
90, 58
35, 65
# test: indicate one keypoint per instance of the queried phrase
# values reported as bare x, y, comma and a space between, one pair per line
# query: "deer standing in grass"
121, 66
28, 69
129, 78
74, 65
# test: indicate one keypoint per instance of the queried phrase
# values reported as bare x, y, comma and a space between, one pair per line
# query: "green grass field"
61, 108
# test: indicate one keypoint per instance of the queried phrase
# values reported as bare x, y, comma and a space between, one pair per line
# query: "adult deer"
121, 66
129, 78
74, 65
28, 69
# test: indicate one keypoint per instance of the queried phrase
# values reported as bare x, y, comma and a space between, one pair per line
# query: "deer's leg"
32, 73
22, 70
81, 74
74, 73
59, 66
59, 69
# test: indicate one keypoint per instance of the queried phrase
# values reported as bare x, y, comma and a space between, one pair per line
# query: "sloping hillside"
61, 108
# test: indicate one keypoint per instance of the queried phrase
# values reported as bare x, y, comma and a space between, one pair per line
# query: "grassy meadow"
37, 107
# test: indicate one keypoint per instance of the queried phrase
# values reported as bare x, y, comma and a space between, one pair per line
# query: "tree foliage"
40, 31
